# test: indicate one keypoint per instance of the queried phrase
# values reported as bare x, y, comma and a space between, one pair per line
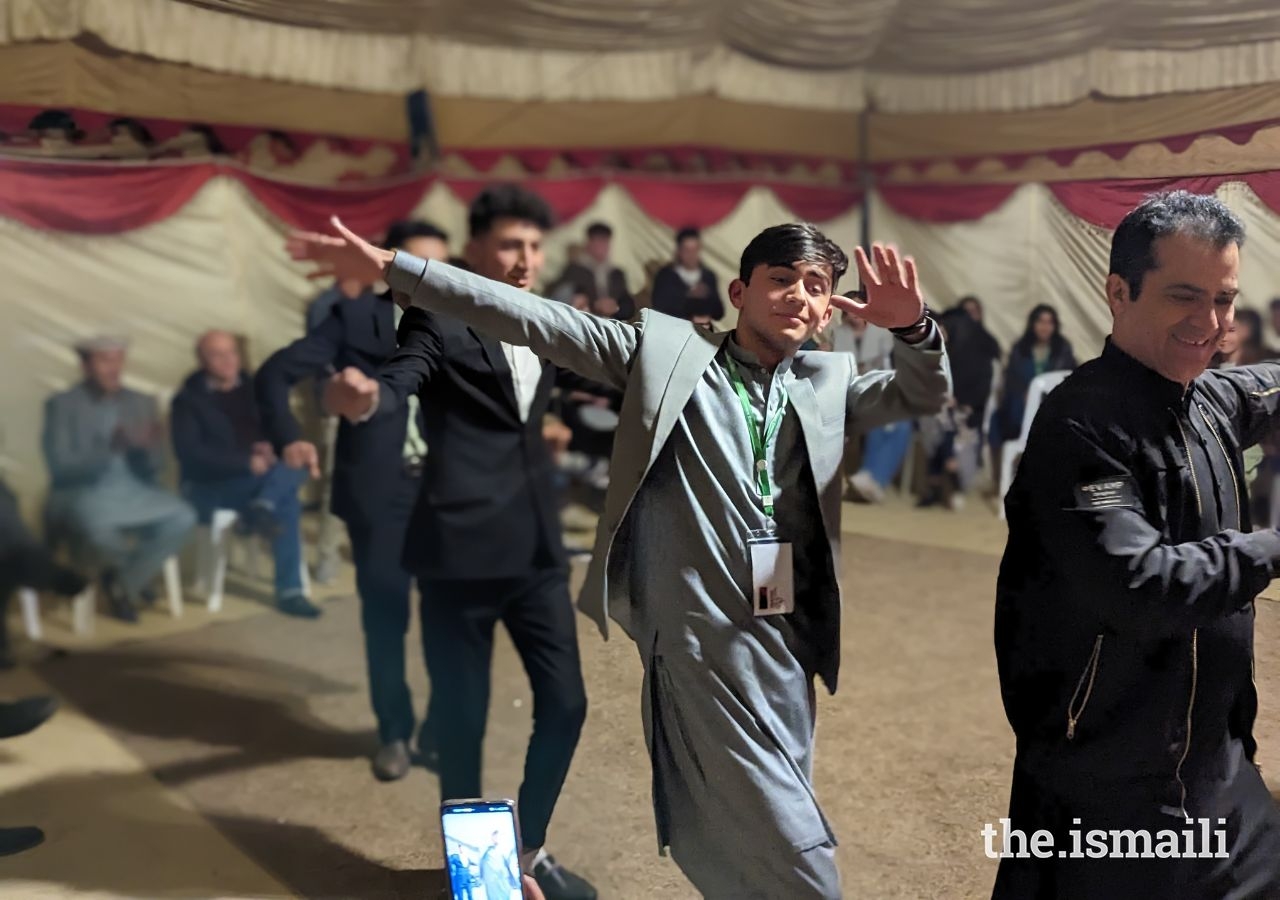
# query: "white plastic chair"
84, 605
1011, 450
213, 549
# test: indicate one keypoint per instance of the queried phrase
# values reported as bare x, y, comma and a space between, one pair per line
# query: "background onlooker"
592, 282
686, 288
1041, 349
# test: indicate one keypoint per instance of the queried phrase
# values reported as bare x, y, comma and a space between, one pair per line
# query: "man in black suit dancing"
377, 470
484, 539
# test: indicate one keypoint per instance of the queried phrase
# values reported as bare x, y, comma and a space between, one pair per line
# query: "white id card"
772, 577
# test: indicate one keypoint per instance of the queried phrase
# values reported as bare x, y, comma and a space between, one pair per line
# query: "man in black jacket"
227, 463
484, 540
377, 469
686, 288
592, 282
1124, 612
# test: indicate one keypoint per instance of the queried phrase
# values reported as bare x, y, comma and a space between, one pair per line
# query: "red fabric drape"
103, 198
96, 199
1104, 203
365, 210
567, 197
945, 203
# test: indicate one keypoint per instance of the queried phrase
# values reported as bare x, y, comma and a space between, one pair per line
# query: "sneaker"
558, 883
391, 762
16, 840
864, 488
25, 715
298, 605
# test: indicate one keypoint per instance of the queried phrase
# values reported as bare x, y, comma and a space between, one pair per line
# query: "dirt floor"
260, 726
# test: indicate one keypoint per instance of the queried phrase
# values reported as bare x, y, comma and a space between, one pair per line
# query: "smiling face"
1185, 307
784, 306
510, 251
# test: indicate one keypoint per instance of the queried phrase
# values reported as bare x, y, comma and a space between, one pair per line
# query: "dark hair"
1255, 323
1160, 215
400, 233
54, 120
786, 245
685, 233
599, 229
1275, 303
1028, 339
211, 140
506, 201
135, 128
966, 299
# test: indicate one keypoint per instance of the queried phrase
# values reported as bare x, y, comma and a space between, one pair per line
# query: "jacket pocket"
1084, 689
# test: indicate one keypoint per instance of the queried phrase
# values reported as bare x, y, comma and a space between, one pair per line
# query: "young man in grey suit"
718, 550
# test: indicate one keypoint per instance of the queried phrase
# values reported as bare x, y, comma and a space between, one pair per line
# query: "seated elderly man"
227, 464
102, 443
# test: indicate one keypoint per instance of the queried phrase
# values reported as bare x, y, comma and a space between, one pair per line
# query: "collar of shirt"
747, 358
1169, 392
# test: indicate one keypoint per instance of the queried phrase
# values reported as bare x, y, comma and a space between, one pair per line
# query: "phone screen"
481, 849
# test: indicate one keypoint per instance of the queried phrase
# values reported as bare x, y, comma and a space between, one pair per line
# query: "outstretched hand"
341, 255
892, 291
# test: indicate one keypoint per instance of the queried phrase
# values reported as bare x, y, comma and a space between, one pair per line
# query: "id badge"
772, 576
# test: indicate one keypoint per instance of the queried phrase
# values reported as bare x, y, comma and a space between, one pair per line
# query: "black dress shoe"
67, 582
428, 748
298, 605
391, 762
558, 883
117, 599
25, 715
16, 840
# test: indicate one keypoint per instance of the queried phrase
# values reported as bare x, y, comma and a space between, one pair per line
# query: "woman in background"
1041, 349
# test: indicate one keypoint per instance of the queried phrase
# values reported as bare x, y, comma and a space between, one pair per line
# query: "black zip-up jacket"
1124, 611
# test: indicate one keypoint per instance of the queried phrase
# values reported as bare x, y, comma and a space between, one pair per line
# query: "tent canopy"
896, 55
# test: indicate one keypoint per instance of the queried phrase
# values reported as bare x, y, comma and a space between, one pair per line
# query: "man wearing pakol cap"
102, 443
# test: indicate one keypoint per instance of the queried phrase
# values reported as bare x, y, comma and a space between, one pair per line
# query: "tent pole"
865, 176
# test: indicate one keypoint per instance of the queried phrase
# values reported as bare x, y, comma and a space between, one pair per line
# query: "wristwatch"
914, 326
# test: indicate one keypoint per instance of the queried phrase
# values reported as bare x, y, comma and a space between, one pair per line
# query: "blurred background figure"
592, 282
103, 444
227, 463
1041, 349
686, 288
1242, 345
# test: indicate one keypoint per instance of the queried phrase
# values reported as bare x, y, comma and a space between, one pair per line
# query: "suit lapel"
817, 444
501, 368
695, 356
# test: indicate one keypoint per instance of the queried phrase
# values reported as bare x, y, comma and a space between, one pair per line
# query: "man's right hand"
302, 455
351, 394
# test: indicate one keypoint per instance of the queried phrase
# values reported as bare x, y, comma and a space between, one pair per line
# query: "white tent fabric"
905, 55
219, 263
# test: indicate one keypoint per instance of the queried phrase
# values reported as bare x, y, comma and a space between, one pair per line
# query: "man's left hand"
892, 291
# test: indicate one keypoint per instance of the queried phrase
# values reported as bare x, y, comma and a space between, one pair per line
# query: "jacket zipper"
1195, 634
1090, 673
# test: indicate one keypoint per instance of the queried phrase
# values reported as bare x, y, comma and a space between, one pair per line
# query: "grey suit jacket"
658, 361
76, 448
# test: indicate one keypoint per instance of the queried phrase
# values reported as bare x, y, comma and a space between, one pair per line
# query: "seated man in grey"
102, 443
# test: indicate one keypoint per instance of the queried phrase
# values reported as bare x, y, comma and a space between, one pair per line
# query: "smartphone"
481, 849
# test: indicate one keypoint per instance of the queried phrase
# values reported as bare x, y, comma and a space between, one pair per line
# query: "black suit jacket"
488, 507
368, 463
671, 295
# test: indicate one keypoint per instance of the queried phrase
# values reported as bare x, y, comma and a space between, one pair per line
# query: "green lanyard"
760, 437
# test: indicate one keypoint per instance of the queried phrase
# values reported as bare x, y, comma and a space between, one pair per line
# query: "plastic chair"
84, 605
1012, 450
213, 550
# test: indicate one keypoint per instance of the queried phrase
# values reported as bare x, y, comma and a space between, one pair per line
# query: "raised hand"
340, 255
892, 290
350, 394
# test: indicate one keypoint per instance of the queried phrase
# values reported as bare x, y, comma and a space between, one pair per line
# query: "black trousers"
458, 619
383, 585
25, 562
